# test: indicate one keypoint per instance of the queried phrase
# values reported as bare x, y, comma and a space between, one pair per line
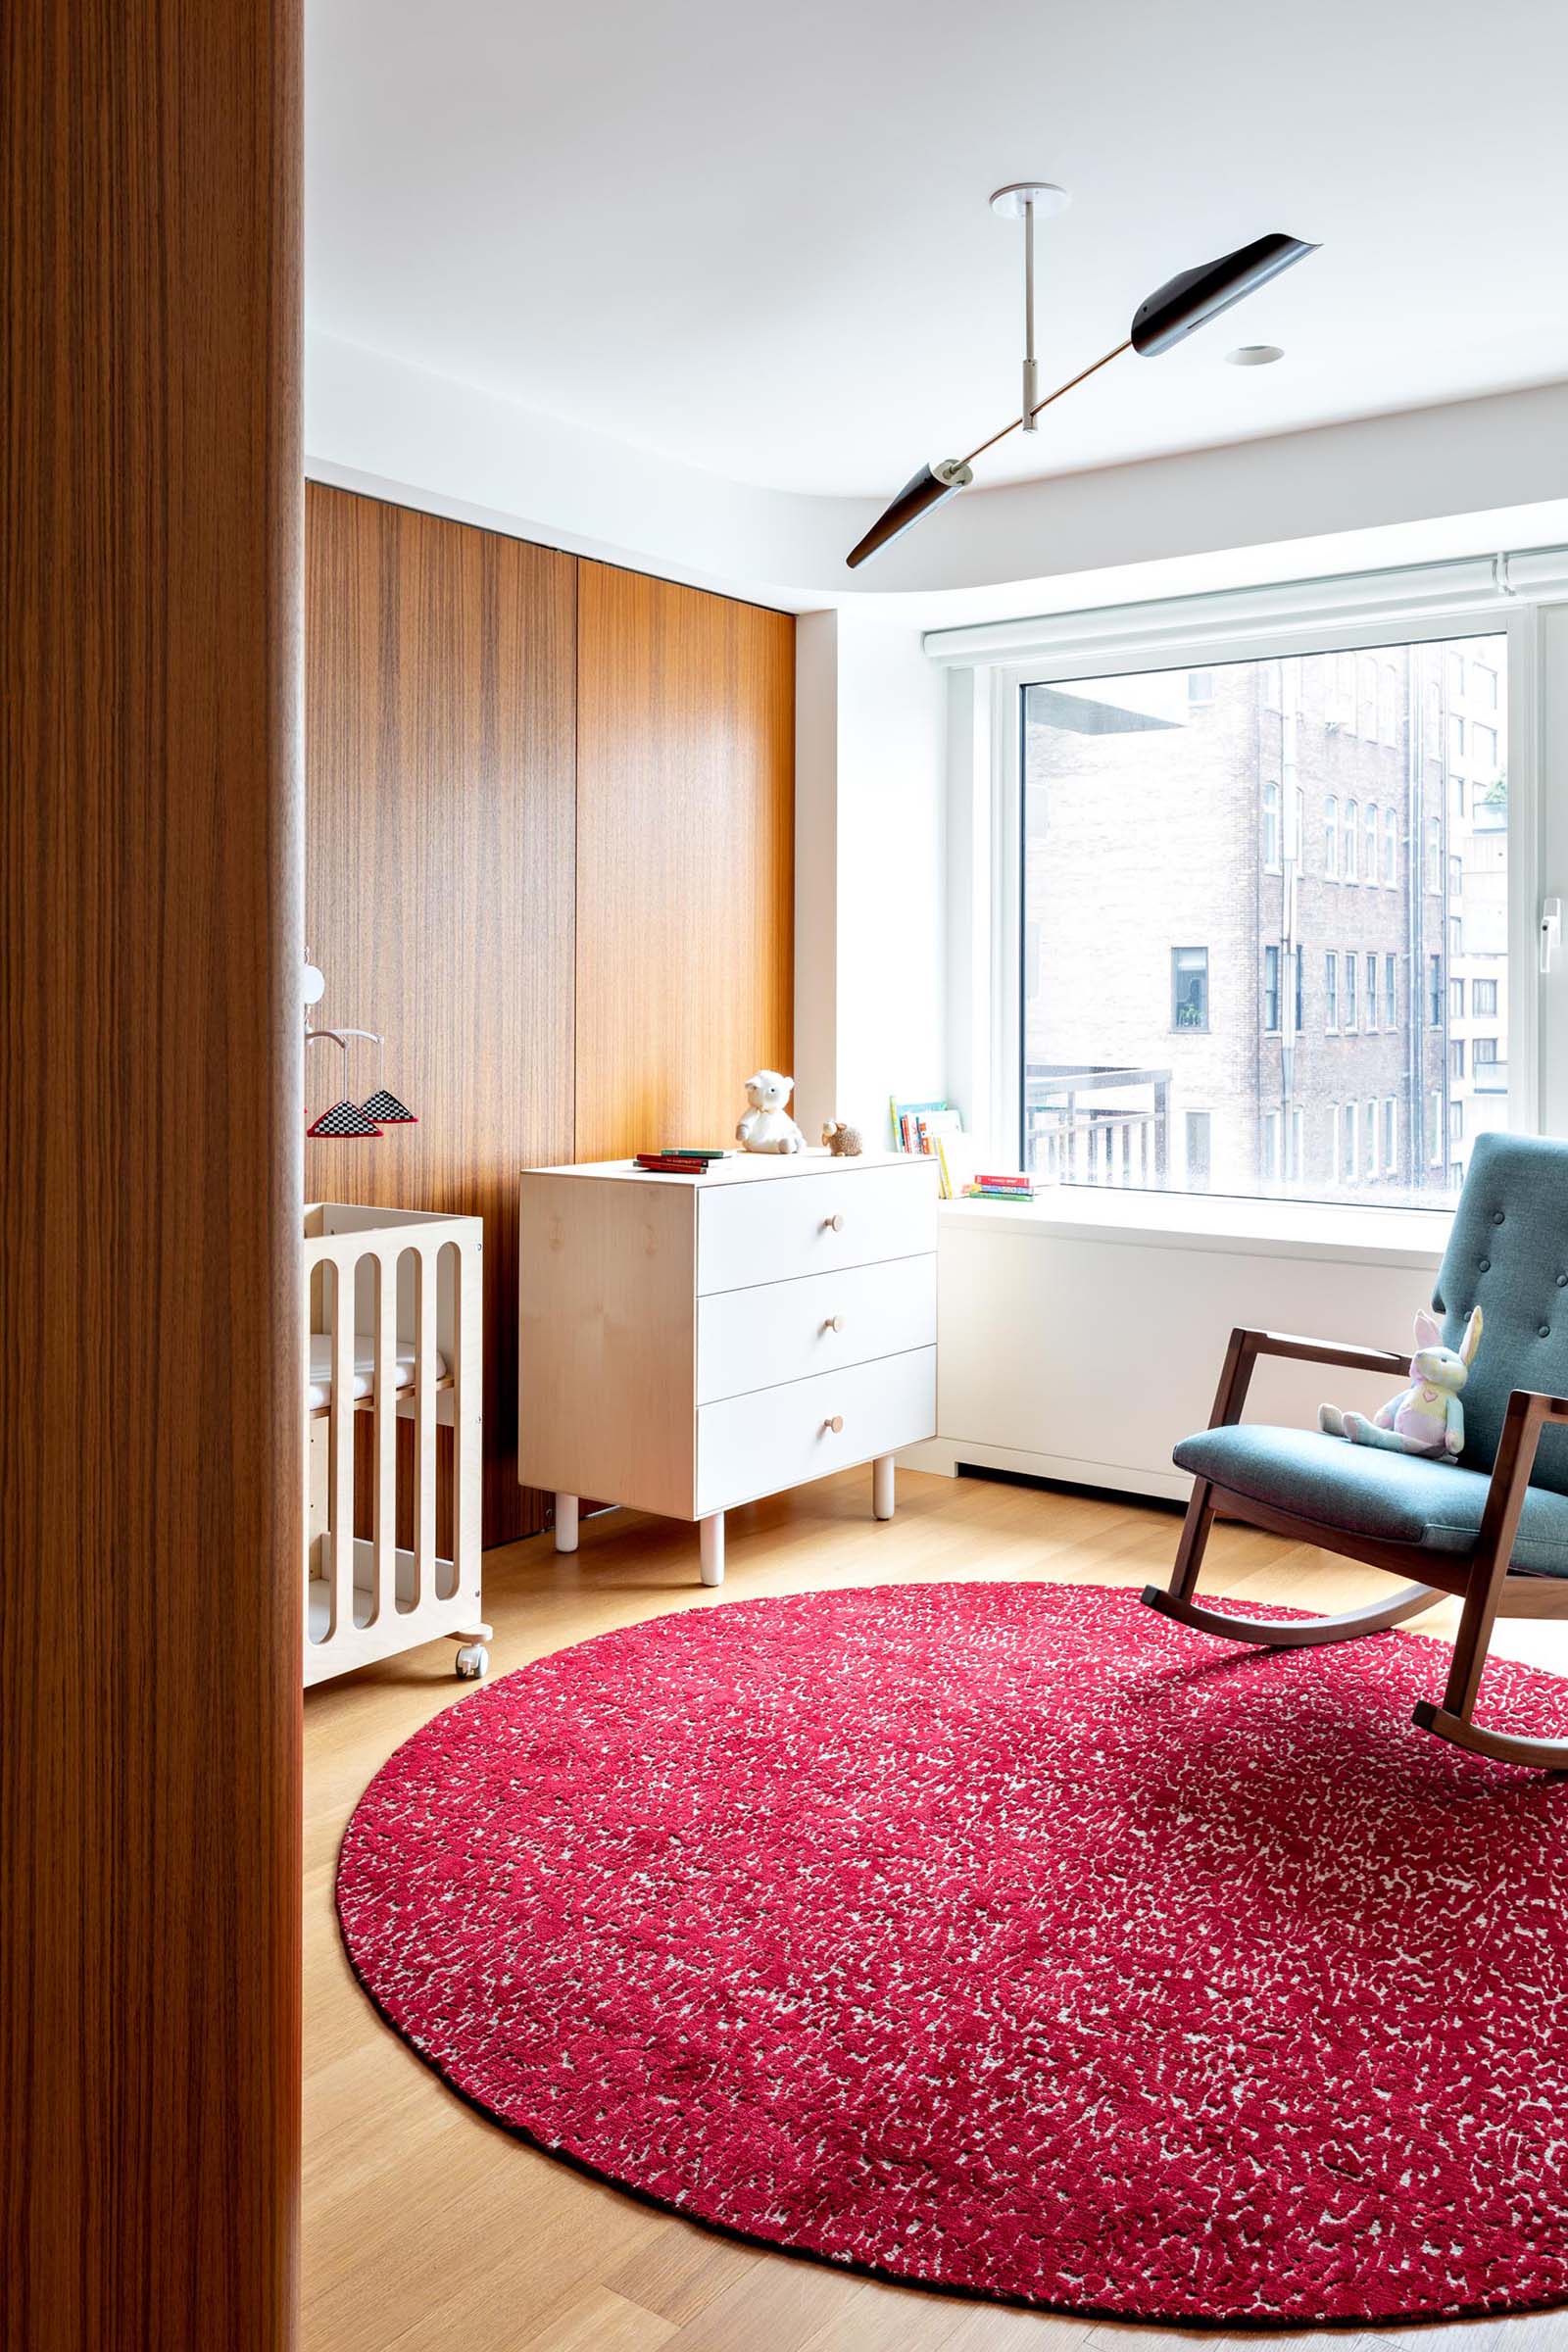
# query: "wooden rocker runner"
1492, 1528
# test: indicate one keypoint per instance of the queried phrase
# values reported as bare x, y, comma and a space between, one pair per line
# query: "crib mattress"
320, 1381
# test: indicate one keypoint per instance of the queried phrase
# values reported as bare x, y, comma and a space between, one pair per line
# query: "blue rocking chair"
1492, 1528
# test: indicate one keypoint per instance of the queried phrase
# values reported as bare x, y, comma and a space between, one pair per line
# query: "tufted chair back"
1509, 1255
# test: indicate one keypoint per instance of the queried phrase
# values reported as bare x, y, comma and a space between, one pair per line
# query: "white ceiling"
754, 238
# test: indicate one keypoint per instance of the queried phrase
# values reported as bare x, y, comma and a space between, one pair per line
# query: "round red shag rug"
1006, 1939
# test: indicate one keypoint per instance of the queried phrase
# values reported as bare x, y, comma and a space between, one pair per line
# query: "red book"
658, 1165
1007, 1184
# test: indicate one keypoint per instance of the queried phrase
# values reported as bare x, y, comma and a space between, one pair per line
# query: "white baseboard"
946, 1455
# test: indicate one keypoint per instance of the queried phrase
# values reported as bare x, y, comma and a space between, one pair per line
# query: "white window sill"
1344, 1233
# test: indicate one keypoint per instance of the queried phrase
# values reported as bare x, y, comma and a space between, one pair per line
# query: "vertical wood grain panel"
685, 858
149, 1249
440, 676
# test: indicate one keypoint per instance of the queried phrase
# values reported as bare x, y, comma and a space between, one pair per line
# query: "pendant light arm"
1081, 377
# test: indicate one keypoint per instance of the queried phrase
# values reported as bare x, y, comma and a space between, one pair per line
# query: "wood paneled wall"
550, 826
149, 1293
440, 685
685, 858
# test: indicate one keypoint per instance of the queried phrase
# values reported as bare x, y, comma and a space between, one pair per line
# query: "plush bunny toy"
1427, 1417
767, 1125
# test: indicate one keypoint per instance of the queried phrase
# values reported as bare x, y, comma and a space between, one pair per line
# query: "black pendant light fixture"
1164, 319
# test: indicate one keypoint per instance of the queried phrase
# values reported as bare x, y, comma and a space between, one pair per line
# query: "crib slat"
340, 1442
468, 1379
385, 1530
425, 1355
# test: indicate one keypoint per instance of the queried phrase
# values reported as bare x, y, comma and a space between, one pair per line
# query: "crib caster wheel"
471, 1660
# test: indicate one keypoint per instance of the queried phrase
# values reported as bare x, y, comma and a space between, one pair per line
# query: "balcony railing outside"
1079, 1129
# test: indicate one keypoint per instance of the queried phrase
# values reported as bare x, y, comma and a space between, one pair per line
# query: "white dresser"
689, 1343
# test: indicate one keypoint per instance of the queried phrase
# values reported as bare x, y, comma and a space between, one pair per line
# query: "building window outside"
1197, 1150
1457, 1057
1342, 702
1366, 698
1200, 686
1456, 999
1350, 1163
1482, 686
1435, 1149
1483, 749
1484, 1053
1390, 1134
1455, 740
1455, 1123
1188, 988
1146, 825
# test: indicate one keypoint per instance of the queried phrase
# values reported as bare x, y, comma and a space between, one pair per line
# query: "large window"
1200, 987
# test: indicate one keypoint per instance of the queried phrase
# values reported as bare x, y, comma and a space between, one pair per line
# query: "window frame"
986, 877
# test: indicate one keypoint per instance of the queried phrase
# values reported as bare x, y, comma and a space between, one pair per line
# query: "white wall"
870, 825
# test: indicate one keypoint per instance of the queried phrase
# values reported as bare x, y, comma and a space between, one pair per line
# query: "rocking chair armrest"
1529, 1411
1245, 1347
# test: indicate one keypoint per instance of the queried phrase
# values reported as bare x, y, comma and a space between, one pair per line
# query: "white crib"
393, 1332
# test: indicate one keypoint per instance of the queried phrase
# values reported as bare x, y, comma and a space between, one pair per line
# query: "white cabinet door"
791, 1330
777, 1232
774, 1438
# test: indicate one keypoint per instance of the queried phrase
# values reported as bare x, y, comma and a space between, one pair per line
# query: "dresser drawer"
776, 1232
791, 1330
775, 1438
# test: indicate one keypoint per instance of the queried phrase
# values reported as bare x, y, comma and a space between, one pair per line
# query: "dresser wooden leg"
882, 1486
711, 1537
565, 1522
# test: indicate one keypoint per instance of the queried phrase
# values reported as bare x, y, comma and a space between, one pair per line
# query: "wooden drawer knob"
834, 1323
833, 1224
834, 1422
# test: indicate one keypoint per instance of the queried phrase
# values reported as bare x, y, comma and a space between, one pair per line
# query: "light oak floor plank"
428, 2228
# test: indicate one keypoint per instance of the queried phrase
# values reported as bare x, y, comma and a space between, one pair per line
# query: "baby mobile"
346, 1117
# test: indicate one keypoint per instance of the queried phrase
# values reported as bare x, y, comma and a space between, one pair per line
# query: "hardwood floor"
426, 2226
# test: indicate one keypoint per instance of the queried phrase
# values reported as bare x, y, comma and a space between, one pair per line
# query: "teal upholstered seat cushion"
1393, 1498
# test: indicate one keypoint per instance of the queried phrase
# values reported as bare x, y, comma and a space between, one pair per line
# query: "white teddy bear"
767, 1125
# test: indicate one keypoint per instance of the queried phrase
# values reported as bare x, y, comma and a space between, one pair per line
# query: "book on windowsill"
906, 1115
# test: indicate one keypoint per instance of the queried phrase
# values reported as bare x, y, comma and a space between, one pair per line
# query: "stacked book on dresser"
694, 1159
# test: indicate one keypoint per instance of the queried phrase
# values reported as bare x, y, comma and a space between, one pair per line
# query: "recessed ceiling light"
1255, 355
